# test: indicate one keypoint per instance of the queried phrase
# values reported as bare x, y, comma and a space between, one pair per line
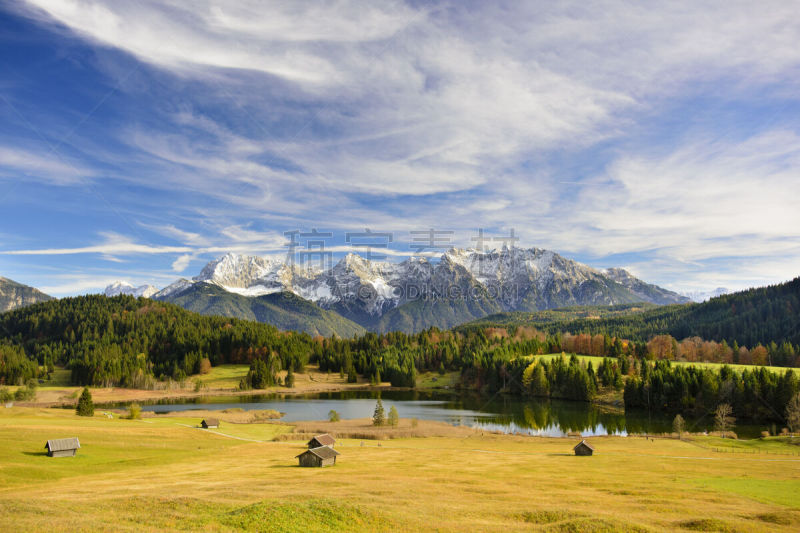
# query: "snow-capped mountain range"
702, 296
471, 283
123, 287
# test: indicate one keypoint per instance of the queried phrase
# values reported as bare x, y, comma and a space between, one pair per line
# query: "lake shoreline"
113, 396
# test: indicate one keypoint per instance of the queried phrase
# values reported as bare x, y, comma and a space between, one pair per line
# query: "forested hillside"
285, 310
756, 316
128, 341
563, 314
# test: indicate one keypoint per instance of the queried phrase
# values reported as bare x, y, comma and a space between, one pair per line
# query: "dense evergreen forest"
129, 342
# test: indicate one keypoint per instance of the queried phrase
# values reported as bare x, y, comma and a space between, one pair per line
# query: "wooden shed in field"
62, 447
321, 440
583, 448
322, 456
210, 423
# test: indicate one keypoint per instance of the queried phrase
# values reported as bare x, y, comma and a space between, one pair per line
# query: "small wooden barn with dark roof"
321, 440
210, 423
583, 448
62, 447
322, 456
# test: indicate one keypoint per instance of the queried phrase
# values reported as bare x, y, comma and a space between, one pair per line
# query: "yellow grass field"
162, 473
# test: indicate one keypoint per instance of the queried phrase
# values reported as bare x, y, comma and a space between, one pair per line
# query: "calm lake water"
552, 418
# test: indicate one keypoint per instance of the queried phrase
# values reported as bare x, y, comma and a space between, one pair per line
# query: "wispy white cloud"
237, 35
113, 244
42, 165
180, 264
706, 198
385, 114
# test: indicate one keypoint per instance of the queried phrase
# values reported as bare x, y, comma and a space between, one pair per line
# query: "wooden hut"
322, 440
322, 456
62, 447
583, 448
210, 423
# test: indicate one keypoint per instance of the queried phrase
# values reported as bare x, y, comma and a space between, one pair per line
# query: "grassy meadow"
162, 473
221, 380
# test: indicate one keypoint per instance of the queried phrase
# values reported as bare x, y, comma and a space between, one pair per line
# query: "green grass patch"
305, 516
768, 445
707, 524
595, 525
434, 380
162, 514
60, 377
223, 376
781, 519
547, 517
780, 491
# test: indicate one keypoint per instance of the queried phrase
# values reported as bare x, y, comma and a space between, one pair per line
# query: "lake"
509, 414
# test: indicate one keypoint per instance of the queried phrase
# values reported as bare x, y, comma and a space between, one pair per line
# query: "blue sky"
139, 140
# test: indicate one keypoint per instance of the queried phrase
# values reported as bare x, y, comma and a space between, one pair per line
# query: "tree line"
756, 316
129, 342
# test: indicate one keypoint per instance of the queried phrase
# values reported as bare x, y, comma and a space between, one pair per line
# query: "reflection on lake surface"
552, 418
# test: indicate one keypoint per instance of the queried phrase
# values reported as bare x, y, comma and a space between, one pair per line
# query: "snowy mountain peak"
123, 287
173, 288
237, 271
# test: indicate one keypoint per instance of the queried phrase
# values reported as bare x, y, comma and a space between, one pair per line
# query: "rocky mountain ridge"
462, 285
14, 295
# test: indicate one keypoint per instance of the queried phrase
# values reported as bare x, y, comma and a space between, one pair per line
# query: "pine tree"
539, 385
85, 404
394, 417
289, 381
378, 417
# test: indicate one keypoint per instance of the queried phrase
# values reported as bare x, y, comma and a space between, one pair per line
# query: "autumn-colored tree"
661, 347
759, 355
723, 418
